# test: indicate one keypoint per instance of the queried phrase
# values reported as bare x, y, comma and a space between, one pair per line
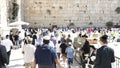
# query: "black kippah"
104, 37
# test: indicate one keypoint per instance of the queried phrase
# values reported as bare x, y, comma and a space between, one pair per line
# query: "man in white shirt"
39, 41
8, 45
28, 51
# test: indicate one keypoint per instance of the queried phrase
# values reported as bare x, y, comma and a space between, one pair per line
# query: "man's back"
106, 57
29, 51
7, 43
45, 56
79, 42
3, 57
70, 51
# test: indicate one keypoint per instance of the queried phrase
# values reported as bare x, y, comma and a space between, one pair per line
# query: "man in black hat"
85, 49
105, 55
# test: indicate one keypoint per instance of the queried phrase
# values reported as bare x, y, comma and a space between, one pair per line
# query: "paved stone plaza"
16, 59
61, 13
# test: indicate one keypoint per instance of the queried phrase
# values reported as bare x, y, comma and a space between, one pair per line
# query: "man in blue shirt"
39, 41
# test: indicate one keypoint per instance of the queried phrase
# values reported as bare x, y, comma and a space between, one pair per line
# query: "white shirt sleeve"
11, 44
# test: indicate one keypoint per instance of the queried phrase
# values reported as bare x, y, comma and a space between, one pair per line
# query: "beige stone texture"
80, 12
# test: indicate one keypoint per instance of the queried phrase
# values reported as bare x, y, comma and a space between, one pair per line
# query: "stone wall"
3, 13
63, 12
12, 11
0, 12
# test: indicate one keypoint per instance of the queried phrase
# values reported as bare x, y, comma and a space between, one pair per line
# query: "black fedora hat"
85, 36
104, 37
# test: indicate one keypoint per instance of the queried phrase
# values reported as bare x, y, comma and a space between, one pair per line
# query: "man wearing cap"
28, 52
45, 55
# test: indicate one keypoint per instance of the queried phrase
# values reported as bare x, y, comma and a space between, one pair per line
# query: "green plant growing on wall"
61, 7
109, 24
117, 10
71, 25
90, 23
49, 11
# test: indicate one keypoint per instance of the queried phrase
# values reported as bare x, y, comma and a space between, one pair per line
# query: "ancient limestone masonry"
62, 12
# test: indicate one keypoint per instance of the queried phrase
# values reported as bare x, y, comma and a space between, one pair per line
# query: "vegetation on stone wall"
49, 11
109, 24
71, 25
61, 7
90, 23
117, 10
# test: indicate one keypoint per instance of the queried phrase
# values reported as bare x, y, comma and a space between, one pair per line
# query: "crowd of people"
52, 48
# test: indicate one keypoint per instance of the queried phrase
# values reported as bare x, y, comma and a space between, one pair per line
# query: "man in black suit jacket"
105, 55
85, 49
3, 57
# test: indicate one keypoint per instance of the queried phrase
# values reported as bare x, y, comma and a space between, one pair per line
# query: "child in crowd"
70, 53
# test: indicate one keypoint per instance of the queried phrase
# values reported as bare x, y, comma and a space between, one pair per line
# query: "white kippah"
46, 38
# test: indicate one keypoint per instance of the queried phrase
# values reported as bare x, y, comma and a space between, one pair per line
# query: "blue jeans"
16, 42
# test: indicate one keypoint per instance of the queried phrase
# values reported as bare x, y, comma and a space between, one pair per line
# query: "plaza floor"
16, 60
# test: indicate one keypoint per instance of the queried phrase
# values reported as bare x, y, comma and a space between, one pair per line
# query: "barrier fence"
117, 62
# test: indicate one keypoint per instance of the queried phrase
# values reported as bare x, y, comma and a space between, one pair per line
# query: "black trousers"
84, 61
58, 54
8, 53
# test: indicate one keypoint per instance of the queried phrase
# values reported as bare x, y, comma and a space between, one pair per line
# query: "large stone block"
59, 12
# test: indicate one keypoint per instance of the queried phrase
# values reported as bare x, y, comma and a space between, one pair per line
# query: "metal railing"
117, 62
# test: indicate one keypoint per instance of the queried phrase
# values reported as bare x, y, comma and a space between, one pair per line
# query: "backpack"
43, 55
